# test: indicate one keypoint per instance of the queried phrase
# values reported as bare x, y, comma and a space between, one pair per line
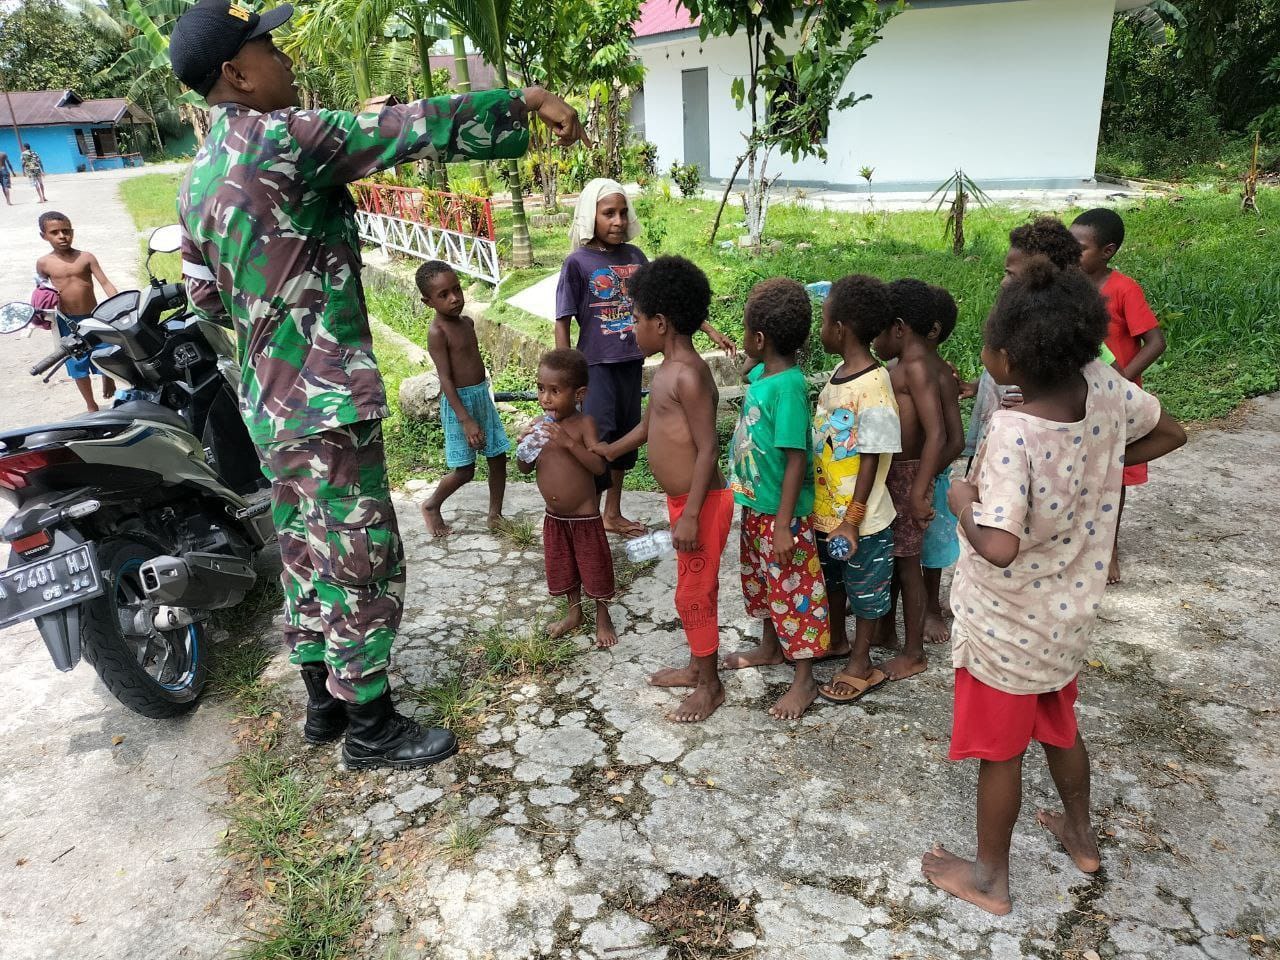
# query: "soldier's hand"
561, 118
475, 434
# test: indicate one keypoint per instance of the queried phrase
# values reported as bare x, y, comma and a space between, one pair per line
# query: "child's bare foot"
886, 635
675, 677
1079, 843
699, 705
904, 665
617, 523
761, 655
792, 704
434, 521
960, 878
935, 629
571, 622
1113, 572
606, 636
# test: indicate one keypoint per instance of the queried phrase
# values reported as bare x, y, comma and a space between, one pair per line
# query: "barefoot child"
72, 272
671, 297
1037, 522
574, 546
855, 434
594, 290
1134, 334
924, 447
773, 481
941, 546
467, 414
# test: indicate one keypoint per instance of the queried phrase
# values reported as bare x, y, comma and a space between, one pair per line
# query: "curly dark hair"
780, 309
1049, 237
571, 364
1106, 224
674, 287
49, 216
1050, 322
914, 304
861, 304
428, 272
947, 311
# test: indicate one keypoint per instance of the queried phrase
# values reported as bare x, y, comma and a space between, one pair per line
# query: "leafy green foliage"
687, 177
43, 46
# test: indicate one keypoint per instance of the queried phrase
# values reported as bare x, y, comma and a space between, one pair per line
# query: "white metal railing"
476, 256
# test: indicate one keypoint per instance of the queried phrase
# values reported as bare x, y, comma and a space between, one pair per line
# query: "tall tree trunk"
613, 135
364, 88
437, 175
521, 245
462, 83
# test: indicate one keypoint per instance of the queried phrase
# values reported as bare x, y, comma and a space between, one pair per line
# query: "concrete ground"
108, 849
606, 828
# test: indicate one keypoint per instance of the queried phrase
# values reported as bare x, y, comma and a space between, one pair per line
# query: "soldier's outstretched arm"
336, 147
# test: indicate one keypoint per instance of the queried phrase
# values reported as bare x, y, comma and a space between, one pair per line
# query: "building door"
697, 129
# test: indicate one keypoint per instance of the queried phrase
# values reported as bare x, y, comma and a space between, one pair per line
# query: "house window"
80, 144
784, 97
104, 142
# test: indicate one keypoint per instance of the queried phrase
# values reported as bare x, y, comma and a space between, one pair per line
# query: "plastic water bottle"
653, 546
819, 290
528, 449
839, 548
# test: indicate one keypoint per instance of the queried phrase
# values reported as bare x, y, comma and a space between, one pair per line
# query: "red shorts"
993, 725
698, 571
576, 553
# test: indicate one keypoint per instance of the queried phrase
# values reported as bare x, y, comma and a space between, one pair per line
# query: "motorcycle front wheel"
155, 673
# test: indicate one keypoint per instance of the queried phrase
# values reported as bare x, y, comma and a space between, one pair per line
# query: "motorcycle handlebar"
60, 354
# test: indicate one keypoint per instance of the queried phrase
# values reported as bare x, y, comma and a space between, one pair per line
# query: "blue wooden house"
69, 134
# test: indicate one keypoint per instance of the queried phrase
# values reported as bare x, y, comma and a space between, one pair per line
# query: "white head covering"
582, 229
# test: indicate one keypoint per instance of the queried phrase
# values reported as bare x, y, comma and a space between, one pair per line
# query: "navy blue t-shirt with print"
593, 289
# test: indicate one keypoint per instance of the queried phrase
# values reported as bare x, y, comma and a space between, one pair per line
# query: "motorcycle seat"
80, 428
137, 410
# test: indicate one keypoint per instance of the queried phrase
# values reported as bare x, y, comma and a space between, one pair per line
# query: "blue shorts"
865, 576
941, 548
77, 369
478, 403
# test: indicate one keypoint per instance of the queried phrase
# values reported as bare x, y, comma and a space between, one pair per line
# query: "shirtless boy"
574, 546
72, 272
924, 447
670, 299
468, 415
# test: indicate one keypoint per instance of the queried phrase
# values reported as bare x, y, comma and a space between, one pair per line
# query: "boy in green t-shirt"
773, 482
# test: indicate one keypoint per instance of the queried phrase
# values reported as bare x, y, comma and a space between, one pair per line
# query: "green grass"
152, 201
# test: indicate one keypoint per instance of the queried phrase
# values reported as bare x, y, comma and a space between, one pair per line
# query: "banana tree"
488, 24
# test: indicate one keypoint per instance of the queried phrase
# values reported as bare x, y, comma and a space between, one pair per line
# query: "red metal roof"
43, 108
663, 16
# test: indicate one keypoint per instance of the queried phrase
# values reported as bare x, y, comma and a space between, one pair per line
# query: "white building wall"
1010, 90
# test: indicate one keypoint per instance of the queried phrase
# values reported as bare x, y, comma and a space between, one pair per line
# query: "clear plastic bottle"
528, 449
652, 546
839, 548
819, 290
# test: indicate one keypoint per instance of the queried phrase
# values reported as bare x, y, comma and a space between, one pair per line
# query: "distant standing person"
593, 291
34, 171
6, 176
72, 272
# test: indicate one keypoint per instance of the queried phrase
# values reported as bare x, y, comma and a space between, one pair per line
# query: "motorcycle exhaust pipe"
207, 581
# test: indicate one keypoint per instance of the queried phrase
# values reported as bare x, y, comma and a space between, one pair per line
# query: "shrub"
687, 177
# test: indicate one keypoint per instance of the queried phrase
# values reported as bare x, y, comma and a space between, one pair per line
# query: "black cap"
213, 32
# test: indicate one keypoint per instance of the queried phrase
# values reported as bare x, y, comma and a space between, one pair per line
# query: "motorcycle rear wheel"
155, 673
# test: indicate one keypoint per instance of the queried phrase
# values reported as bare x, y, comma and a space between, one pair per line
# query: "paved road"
106, 850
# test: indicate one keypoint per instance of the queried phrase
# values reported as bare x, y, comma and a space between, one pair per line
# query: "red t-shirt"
1131, 316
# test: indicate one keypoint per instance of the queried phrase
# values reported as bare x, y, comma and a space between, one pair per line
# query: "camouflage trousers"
343, 560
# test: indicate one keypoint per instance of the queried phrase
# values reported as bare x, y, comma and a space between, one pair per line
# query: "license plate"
49, 584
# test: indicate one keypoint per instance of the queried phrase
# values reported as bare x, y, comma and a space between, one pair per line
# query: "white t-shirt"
1025, 629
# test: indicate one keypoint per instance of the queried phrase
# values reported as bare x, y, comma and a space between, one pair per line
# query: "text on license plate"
48, 584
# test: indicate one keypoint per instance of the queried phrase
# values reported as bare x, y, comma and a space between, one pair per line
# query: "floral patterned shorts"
793, 597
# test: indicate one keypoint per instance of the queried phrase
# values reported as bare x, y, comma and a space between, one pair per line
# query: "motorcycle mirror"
16, 315
167, 239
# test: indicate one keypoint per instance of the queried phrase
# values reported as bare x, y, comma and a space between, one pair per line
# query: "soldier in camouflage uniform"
270, 247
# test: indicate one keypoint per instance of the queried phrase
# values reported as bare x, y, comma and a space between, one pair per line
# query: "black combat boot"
377, 736
326, 715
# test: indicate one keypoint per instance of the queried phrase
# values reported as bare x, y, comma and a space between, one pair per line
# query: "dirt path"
108, 849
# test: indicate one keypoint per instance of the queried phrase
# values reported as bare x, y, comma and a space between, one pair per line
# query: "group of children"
849, 502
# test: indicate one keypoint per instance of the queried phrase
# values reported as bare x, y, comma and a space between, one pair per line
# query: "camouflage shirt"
270, 243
